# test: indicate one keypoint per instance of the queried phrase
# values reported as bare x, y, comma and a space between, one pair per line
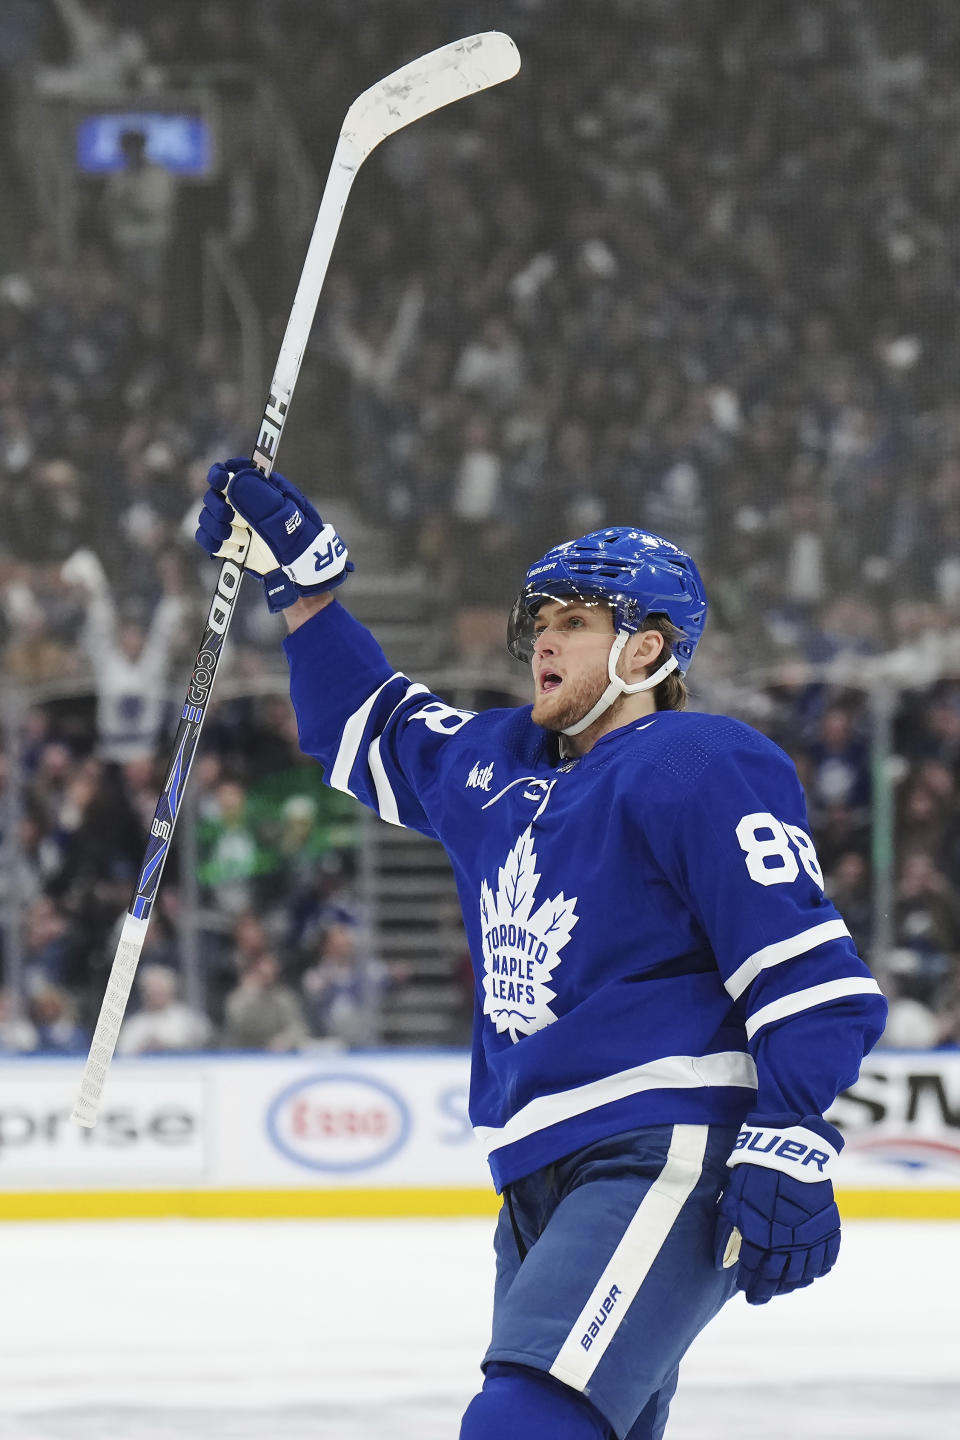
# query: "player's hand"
777, 1220
266, 524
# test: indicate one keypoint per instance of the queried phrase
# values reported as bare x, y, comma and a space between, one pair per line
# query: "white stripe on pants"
631, 1261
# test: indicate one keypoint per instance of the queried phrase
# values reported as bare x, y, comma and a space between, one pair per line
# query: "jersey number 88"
772, 848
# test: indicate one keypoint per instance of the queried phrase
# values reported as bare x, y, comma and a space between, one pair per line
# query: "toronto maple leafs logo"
521, 944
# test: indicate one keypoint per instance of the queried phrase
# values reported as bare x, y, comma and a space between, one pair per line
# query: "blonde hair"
671, 693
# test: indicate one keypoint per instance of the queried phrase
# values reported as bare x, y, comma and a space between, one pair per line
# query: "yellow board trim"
899, 1204
245, 1204
340, 1204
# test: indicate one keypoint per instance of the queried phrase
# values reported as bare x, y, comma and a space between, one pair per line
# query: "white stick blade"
111, 1016
445, 75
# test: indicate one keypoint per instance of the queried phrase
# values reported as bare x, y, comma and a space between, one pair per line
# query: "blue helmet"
636, 573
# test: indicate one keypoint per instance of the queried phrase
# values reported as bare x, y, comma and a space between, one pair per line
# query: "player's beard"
559, 709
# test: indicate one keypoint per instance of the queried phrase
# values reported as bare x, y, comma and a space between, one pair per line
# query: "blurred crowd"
275, 920
696, 266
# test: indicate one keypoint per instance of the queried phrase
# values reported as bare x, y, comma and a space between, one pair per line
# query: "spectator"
53, 771
927, 929
103, 844
162, 1023
231, 856
103, 56
849, 887
52, 1013
50, 945
57, 487
343, 990
839, 764
924, 819
262, 1013
911, 1025
230, 946
130, 662
33, 655
140, 214
490, 366
296, 846
327, 899
18, 1036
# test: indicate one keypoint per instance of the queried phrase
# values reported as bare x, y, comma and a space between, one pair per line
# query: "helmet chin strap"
618, 687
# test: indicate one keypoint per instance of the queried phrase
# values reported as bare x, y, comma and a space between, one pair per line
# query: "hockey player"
666, 1001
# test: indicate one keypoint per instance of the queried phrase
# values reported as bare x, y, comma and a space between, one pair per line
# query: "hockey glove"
268, 525
777, 1220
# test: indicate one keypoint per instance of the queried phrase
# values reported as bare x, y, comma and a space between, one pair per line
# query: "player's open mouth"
549, 680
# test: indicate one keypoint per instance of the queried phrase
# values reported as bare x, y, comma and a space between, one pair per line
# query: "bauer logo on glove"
777, 1219
266, 524
795, 1150
331, 555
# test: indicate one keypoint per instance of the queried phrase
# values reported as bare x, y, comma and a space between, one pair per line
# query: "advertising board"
378, 1133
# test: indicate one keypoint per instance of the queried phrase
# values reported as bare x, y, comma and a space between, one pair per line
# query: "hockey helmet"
635, 572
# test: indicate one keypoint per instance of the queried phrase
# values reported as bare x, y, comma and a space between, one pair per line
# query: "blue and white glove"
267, 525
777, 1220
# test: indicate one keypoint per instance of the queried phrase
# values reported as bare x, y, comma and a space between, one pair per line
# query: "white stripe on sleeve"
351, 738
630, 1263
807, 999
387, 807
353, 734
782, 950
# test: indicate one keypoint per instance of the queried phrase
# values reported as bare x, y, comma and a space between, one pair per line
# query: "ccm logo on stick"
222, 607
202, 677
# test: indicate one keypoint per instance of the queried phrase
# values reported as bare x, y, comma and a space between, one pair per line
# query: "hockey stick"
445, 75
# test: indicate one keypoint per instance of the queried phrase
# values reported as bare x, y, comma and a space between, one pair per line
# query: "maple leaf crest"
521, 944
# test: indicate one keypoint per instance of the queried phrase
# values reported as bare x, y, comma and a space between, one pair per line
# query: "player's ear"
642, 652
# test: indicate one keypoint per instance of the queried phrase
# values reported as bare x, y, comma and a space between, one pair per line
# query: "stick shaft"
303, 309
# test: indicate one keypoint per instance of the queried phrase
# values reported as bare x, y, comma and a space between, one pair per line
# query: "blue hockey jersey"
650, 937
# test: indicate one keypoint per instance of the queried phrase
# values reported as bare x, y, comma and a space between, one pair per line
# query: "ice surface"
372, 1330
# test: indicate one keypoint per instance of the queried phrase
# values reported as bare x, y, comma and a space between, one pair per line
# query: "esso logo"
338, 1122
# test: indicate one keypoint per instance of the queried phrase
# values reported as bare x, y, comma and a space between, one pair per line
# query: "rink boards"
378, 1134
